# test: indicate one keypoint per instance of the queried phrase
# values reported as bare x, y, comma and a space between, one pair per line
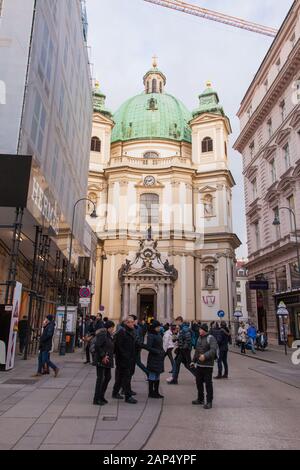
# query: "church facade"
160, 178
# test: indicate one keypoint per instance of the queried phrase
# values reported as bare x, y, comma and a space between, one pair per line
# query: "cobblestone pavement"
258, 407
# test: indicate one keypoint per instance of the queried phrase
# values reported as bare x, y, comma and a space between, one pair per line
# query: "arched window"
96, 144
149, 208
210, 277
208, 205
154, 85
207, 145
151, 155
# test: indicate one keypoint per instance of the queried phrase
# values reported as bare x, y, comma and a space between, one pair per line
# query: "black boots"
198, 402
208, 406
153, 389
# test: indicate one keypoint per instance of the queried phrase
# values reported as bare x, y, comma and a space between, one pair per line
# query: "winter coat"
156, 355
224, 339
46, 337
251, 332
23, 327
185, 338
104, 347
207, 346
125, 348
168, 342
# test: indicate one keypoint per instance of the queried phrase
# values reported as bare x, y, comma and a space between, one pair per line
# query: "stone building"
160, 177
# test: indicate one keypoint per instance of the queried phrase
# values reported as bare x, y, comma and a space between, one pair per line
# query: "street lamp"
276, 222
62, 349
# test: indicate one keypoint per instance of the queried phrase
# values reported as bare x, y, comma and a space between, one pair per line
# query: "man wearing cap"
203, 362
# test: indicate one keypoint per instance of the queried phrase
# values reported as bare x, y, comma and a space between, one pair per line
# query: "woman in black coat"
156, 359
104, 351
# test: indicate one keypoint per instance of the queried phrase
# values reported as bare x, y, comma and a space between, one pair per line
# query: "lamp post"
62, 349
276, 222
226, 256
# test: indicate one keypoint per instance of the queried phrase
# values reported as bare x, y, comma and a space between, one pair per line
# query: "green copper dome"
152, 116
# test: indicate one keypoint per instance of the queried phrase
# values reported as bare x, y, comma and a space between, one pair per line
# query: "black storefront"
292, 302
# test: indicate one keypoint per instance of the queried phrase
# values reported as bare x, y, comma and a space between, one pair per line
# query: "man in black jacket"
203, 362
223, 341
125, 353
183, 351
46, 346
104, 350
23, 328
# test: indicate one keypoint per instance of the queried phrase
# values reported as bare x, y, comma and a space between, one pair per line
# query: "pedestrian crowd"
108, 346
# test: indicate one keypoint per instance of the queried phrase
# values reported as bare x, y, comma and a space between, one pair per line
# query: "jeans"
153, 376
204, 376
252, 342
42, 361
222, 360
103, 379
22, 343
170, 356
243, 347
48, 361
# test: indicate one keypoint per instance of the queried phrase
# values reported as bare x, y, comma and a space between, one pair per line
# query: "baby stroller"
261, 341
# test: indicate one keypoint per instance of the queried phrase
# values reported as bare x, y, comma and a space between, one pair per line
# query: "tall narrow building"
161, 179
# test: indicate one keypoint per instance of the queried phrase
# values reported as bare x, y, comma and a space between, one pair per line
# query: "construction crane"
195, 10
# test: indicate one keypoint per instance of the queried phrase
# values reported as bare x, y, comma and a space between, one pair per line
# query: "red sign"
85, 292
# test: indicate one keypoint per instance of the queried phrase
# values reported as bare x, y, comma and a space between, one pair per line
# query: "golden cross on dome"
97, 84
154, 61
208, 84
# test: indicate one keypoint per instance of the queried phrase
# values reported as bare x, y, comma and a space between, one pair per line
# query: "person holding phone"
104, 352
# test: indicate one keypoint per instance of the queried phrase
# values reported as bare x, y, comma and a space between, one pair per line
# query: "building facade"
269, 143
160, 177
242, 290
44, 64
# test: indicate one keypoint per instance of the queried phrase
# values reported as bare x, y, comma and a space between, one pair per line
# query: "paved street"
257, 408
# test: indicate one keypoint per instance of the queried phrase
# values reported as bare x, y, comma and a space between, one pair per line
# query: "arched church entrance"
148, 283
147, 304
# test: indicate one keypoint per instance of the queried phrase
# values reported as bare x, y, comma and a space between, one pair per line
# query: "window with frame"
238, 298
282, 110
270, 128
154, 85
96, 144
257, 235
45, 65
291, 205
151, 155
38, 124
273, 171
207, 145
286, 155
254, 188
149, 208
276, 227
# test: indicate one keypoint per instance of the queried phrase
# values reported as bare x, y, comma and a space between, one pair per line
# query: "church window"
154, 85
149, 209
151, 155
210, 277
96, 144
207, 145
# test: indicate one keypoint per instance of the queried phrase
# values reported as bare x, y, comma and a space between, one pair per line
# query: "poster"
12, 341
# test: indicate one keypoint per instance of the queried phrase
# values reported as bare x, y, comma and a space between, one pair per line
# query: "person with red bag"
104, 352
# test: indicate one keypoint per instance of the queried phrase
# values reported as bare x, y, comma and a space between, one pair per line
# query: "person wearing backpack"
104, 358
203, 363
183, 351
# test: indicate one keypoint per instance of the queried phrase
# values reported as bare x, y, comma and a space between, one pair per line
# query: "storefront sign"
259, 285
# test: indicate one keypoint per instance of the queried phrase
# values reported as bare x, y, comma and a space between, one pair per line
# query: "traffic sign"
84, 292
221, 314
84, 302
237, 314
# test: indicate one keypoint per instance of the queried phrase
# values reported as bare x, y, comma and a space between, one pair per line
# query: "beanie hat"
155, 324
204, 327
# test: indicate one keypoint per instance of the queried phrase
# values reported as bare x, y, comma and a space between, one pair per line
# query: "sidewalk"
48, 413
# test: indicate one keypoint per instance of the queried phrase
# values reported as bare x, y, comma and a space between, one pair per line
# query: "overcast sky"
124, 35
